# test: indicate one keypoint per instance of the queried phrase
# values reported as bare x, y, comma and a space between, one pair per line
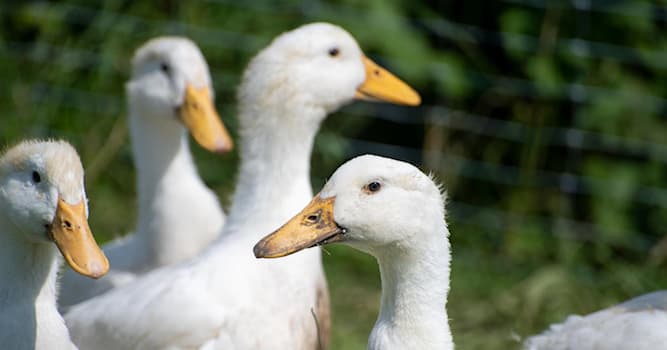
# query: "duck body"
394, 212
211, 301
178, 215
224, 298
638, 324
42, 202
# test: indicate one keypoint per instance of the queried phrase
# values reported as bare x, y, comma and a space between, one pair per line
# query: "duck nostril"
376, 72
67, 224
313, 217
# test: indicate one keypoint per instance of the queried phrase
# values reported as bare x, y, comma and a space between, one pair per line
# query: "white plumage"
637, 324
178, 215
394, 212
225, 298
42, 202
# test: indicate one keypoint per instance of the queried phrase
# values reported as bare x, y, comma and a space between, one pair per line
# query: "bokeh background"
546, 121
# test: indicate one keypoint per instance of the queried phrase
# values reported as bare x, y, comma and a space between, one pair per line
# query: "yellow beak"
200, 117
384, 86
314, 225
71, 233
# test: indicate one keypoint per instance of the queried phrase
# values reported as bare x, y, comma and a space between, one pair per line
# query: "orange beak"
314, 225
199, 115
71, 233
381, 85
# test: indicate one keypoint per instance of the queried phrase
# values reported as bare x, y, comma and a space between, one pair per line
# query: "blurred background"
545, 120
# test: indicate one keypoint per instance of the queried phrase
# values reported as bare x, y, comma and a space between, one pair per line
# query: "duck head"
320, 66
42, 194
371, 203
170, 78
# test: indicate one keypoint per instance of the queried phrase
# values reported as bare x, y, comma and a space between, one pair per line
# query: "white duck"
169, 94
638, 324
225, 298
391, 210
42, 202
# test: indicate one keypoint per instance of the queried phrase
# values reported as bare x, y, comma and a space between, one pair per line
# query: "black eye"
164, 67
334, 51
36, 178
373, 187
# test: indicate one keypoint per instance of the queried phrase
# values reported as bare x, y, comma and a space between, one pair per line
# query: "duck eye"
334, 51
373, 187
164, 67
36, 178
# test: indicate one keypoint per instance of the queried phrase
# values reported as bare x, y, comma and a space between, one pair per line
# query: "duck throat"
274, 174
30, 267
160, 149
169, 190
29, 318
414, 293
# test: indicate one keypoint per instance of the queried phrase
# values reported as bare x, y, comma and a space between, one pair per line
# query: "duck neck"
274, 174
27, 268
415, 284
168, 183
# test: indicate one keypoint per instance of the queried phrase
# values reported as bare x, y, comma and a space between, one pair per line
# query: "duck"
639, 324
43, 210
169, 95
394, 212
225, 298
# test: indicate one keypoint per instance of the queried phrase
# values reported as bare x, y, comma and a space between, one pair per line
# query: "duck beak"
71, 233
200, 117
384, 86
313, 226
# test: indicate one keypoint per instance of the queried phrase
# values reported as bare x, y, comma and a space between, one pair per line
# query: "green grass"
354, 284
